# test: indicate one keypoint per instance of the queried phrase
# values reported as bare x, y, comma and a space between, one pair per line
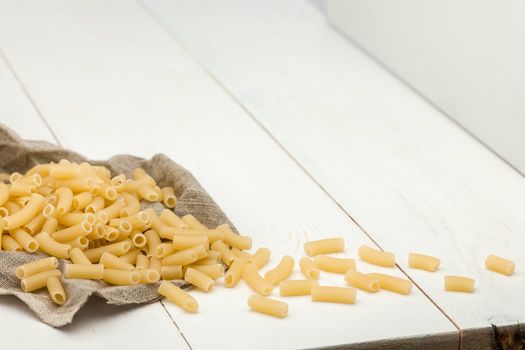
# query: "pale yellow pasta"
184, 242
268, 306
169, 232
50, 226
147, 192
199, 279
164, 249
324, 246
296, 287
21, 189
156, 224
3, 212
110, 233
308, 268
168, 197
132, 205
141, 175
235, 240
107, 191
110, 261
227, 256
38, 280
81, 200
391, 283
213, 255
96, 204
117, 182
98, 231
206, 261
335, 265
142, 262
67, 234
498, 264
159, 192
138, 239
171, 272
84, 271
118, 249
360, 280
9, 244
459, 284
35, 225
77, 185
255, 281
149, 276
376, 257
140, 220
185, 257
44, 190
4, 193
234, 273
281, 272
212, 270
102, 172
22, 201
64, 170
77, 256
24, 215
171, 219
333, 294
261, 257
15, 177
49, 211
35, 267
79, 242
423, 262
52, 247
178, 296
152, 241
12, 207
193, 223
131, 256
34, 179
71, 219
121, 277
56, 290
26, 241
155, 263
65, 199
240, 253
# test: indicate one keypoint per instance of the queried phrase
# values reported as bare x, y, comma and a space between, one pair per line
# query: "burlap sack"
19, 155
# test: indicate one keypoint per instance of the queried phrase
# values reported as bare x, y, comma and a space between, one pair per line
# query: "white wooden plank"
97, 325
411, 178
137, 91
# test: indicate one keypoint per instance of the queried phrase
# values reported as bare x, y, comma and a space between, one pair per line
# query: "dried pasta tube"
296, 287
49, 211
360, 280
147, 192
35, 225
71, 219
193, 223
118, 249
168, 197
333, 294
56, 290
149, 276
21, 189
169, 232
324, 246
82, 200
121, 277
459, 284
64, 170
90, 272
155, 264
108, 192
96, 205
82, 229
98, 231
24, 215
9, 244
102, 172
15, 177
199, 279
130, 257
163, 250
227, 256
234, 273
391, 283
117, 182
213, 255
4, 211
268, 306
423, 262
132, 205
35, 179
65, 199
110, 261
140, 220
261, 257
255, 281
50, 225
38, 280
501, 265
42, 169
377, 257
77, 185
44, 190
308, 268
110, 233
152, 241
156, 224
138, 239
25, 240
213, 271
4, 193
113, 211
178, 296
171, 219
331, 264
185, 257
141, 175
52, 247
235, 240
79, 242
142, 262
35, 267
185, 242
12, 207
171, 272
240, 253
77, 256
22, 200
281, 272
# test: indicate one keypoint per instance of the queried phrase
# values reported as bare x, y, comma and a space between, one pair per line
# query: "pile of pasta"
81, 213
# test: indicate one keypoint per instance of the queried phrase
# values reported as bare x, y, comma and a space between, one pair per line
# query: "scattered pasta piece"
376, 257
333, 294
324, 246
500, 265
392, 283
268, 306
296, 287
423, 262
364, 282
459, 284
331, 264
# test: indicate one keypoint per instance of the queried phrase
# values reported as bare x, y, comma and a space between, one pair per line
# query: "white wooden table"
298, 136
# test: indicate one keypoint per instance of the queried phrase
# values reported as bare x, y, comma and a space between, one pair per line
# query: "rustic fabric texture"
20, 155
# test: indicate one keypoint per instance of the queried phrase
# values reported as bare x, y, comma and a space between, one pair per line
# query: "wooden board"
405, 173
126, 86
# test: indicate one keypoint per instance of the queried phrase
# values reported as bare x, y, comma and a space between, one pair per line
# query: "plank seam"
175, 323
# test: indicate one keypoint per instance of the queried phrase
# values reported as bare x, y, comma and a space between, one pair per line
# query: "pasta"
79, 242
164, 249
324, 246
152, 241
199, 279
35, 267
131, 256
171, 219
52, 247
500, 265
185, 257
333, 294
235, 240
281, 271
171, 272
376, 257
38, 280
96, 204
255, 281
227, 256
81, 200
168, 197
268, 306
118, 249
459, 284
110, 261
142, 262
4, 193
391, 283
155, 263
423, 262
331, 264
193, 223
213, 271
296, 287
77, 256
50, 225
35, 225
185, 242
79, 184
261, 257
132, 205
78, 271
138, 239
121, 277
149, 275
24, 215
240, 253
67, 234
169, 232
308, 268
65, 199
9, 244
56, 290
234, 273
25, 240
178, 296
360, 280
